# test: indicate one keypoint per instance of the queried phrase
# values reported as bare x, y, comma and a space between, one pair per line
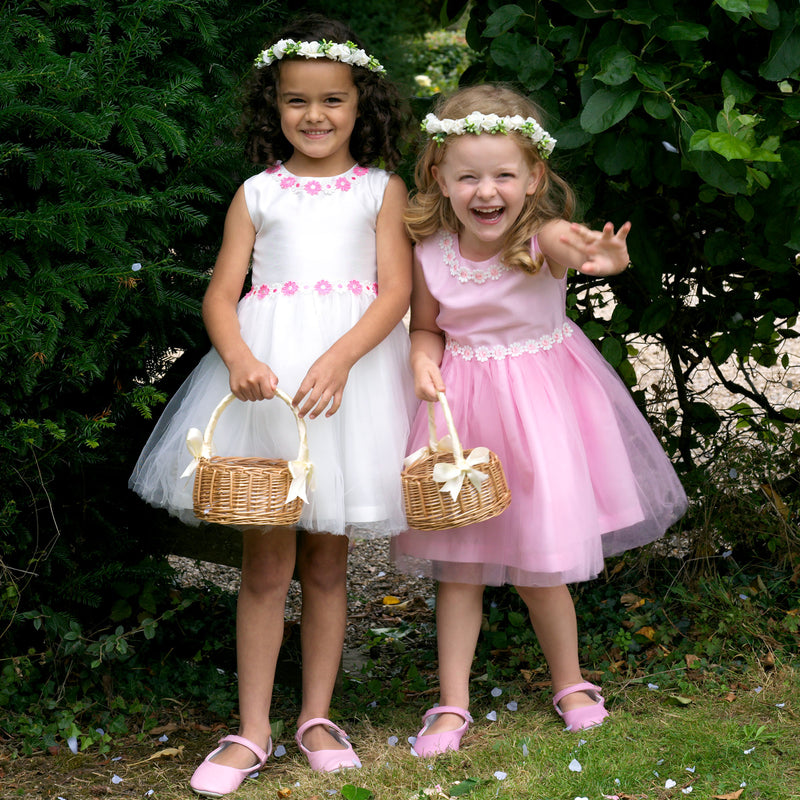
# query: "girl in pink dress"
588, 478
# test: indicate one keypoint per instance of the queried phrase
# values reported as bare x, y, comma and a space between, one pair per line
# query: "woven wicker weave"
429, 506
246, 491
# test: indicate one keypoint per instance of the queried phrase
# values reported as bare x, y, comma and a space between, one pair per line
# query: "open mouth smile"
488, 214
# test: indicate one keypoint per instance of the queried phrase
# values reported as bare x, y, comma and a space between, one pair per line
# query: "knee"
322, 565
267, 571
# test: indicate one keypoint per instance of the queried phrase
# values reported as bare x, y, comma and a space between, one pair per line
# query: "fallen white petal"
749, 750
496, 692
670, 784
660, 761
72, 743
758, 689
652, 686
149, 793
525, 750
100, 731
616, 781
779, 705
690, 769
500, 775
116, 779
280, 750
512, 706
393, 740
581, 742
411, 740
381, 574
742, 784
687, 790
492, 716
163, 738
575, 765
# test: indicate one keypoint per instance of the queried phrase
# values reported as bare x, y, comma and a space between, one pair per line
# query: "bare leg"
459, 611
267, 567
552, 613
322, 567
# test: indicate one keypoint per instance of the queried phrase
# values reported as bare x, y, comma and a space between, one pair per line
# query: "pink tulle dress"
588, 477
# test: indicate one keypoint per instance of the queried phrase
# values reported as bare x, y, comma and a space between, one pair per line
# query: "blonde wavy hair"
429, 210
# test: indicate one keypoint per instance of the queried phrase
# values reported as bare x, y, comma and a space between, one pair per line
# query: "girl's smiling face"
318, 104
486, 178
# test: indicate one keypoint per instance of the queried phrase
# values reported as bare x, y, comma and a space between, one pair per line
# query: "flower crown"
348, 53
477, 123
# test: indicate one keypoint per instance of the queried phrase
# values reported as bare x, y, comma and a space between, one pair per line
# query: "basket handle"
451, 476
201, 445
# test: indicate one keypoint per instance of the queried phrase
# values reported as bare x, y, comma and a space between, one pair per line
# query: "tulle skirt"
357, 453
588, 477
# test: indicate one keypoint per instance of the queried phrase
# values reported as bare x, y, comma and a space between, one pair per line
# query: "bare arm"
427, 340
250, 379
323, 386
573, 246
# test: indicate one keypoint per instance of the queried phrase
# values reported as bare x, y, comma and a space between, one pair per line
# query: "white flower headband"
347, 53
477, 123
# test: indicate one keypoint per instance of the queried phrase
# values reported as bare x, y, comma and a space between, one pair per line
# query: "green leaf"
614, 154
637, 16
502, 20
571, 135
351, 792
652, 76
616, 66
657, 106
684, 32
736, 87
723, 349
606, 107
657, 315
745, 7
743, 208
465, 787
612, 351
704, 417
784, 51
728, 146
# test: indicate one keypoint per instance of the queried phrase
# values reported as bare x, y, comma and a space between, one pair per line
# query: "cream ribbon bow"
444, 445
302, 471
452, 475
194, 441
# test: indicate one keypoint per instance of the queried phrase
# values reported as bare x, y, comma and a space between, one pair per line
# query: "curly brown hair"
380, 117
429, 210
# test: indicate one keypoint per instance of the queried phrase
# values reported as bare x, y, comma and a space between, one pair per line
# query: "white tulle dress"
314, 275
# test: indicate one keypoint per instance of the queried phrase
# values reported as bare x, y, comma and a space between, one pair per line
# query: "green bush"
682, 117
117, 161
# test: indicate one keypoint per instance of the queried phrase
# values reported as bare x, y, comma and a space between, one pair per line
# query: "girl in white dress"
331, 280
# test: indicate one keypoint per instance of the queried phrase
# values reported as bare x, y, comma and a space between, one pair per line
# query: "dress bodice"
488, 305
314, 229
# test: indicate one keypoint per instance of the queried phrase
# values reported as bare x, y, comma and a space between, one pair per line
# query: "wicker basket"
447, 487
248, 491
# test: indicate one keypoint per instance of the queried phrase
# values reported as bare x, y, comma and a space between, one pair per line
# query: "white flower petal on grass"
743, 784
758, 689
149, 793
393, 740
72, 743
116, 779
117, 758
575, 765
581, 798
163, 738
512, 706
780, 705
670, 784
280, 750
136, 267
496, 692
687, 790
492, 716
616, 782
749, 750
525, 751
660, 762
652, 686
381, 574
500, 775
691, 769
100, 731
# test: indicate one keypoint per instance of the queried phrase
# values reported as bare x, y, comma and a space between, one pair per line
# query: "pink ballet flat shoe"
434, 744
586, 717
215, 780
328, 760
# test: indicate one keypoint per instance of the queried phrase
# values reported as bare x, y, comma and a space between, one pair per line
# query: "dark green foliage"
117, 162
682, 117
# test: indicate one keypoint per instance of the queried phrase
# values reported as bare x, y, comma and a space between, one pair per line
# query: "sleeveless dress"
588, 478
314, 274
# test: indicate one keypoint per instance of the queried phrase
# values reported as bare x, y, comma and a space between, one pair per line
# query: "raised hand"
604, 252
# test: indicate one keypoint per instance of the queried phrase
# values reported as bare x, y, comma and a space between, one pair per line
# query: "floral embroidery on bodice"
461, 271
321, 287
314, 186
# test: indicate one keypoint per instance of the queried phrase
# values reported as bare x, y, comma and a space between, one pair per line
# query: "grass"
733, 740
